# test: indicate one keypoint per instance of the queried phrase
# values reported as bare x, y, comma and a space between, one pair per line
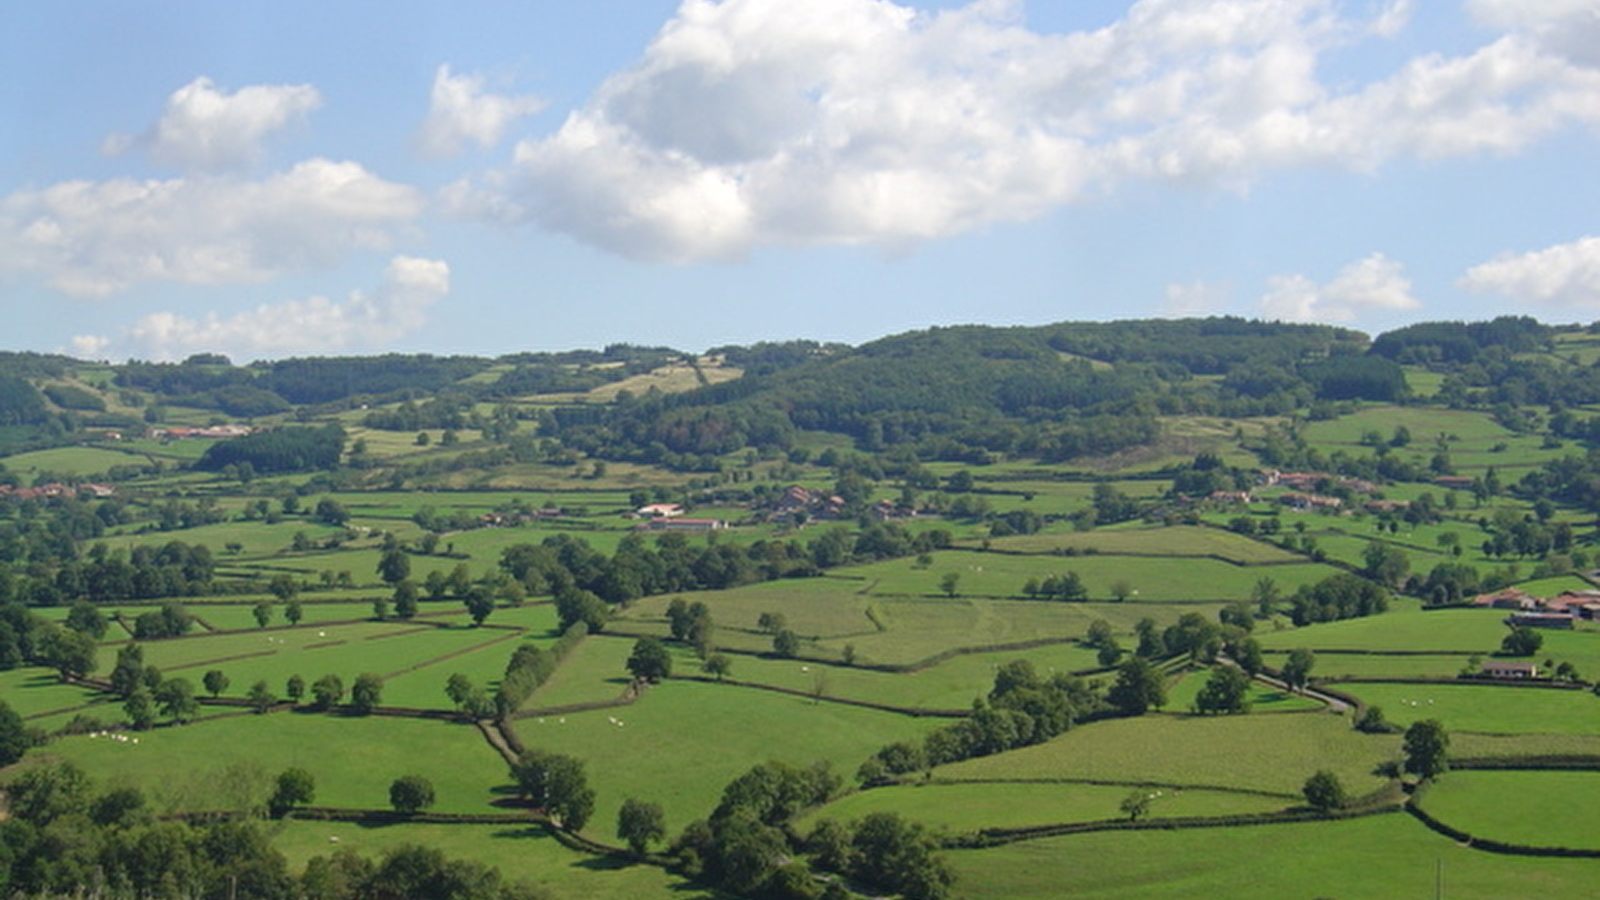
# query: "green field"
1381, 856
721, 729
1180, 541
1448, 631
1544, 814
1263, 698
1486, 708
352, 758
522, 853
1267, 753
962, 808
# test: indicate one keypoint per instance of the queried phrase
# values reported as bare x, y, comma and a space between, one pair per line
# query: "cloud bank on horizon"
755, 126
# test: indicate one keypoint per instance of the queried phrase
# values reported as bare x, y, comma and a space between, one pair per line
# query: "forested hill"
1054, 392
967, 393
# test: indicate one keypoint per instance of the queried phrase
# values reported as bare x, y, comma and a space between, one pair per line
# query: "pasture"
1494, 709
683, 741
231, 759
1379, 856
521, 852
1176, 541
1404, 628
960, 808
1274, 754
1544, 814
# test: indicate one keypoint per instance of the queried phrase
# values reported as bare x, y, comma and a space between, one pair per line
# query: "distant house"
1581, 604
1229, 496
1310, 502
679, 523
659, 511
1509, 598
1540, 620
1505, 668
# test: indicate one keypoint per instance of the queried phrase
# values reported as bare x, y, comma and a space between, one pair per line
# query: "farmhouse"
679, 523
1510, 598
1309, 502
659, 511
1505, 668
1540, 620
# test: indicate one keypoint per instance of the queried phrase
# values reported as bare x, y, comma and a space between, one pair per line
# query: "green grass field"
961, 808
683, 741
1486, 708
522, 853
1179, 541
1263, 699
353, 760
1381, 856
1544, 814
1268, 753
1403, 628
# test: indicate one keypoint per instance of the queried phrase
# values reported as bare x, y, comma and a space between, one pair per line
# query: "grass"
1342, 665
1486, 708
522, 853
34, 691
1181, 696
70, 461
1438, 631
1380, 856
1544, 814
1267, 753
1159, 579
1177, 541
684, 741
970, 807
353, 760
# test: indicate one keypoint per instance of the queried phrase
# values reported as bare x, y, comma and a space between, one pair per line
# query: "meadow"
1486, 708
1379, 856
1543, 816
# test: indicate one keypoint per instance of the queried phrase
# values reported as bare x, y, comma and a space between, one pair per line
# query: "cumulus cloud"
460, 113
91, 239
750, 123
398, 307
1192, 300
1569, 27
1373, 283
207, 129
1563, 275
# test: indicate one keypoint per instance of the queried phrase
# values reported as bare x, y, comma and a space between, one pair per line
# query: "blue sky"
267, 179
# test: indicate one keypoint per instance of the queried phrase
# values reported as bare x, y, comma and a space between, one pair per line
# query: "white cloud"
1569, 27
1375, 282
1563, 275
398, 307
1193, 300
1393, 19
460, 113
206, 129
92, 239
749, 123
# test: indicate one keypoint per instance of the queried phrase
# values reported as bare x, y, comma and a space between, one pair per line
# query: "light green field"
972, 807
952, 684
594, 671
344, 650
919, 628
684, 741
1440, 631
1177, 541
1487, 708
522, 853
1544, 814
353, 759
1263, 699
1380, 856
1343, 665
1267, 753
1154, 579
34, 691
70, 461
